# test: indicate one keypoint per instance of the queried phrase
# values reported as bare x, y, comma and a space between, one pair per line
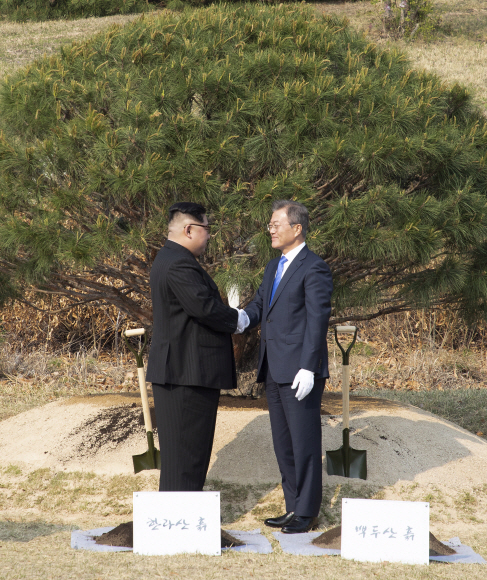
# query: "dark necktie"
278, 277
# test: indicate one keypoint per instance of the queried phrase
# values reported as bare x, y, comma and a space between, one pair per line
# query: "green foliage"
408, 17
23, 10
235, 107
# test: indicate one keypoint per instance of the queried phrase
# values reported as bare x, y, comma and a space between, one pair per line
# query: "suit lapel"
293, 266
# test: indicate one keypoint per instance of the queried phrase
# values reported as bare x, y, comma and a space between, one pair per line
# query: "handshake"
304, 379
233, 302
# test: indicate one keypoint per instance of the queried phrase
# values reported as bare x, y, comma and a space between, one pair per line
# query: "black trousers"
186, 418
296, 434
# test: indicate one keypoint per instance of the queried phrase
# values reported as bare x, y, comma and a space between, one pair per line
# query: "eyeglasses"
277, 225
207, 228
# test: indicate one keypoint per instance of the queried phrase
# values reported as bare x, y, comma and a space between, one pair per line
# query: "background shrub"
235, 107
23, 10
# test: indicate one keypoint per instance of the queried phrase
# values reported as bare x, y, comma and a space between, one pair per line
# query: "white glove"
243, 321
233, 297
305, 379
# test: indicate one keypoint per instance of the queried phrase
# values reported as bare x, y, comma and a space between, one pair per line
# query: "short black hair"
195, 210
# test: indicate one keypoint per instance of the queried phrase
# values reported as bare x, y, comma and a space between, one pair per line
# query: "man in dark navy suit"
293, 304
191, 355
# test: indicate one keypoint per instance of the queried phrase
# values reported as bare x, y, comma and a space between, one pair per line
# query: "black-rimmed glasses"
207, 228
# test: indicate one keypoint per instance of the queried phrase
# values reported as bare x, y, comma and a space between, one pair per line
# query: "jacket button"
269, 320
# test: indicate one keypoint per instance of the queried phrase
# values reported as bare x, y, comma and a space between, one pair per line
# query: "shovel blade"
346, 461
356, 466
147, 460
151, 459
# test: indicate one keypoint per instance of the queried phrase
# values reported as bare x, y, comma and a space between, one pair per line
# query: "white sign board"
385, 531
174, 522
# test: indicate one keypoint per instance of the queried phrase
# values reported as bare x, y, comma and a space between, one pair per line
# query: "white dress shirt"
290, 257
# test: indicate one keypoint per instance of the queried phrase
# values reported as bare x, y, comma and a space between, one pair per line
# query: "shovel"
346, 461
151, 459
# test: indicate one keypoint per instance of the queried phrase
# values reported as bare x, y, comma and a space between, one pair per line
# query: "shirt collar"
293, 253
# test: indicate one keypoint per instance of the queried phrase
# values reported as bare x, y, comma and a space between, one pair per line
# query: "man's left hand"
305, 379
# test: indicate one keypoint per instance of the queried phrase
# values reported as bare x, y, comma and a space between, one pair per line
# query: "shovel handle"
134, 332
145, 399
140, 373
138, 355
346, 395
348, 330
346, 371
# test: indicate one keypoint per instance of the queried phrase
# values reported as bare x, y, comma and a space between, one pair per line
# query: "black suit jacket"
191, 337
295, 325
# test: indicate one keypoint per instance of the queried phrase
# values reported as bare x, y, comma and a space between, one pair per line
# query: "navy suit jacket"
295, 325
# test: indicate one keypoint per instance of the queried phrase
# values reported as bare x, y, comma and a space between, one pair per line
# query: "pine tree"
235, 107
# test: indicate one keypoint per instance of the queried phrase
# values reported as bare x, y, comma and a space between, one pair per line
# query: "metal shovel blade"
151, 459
346, 461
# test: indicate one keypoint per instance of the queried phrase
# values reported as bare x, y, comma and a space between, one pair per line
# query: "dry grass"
32, 378
34, 545
457, 52
455, 60
20, 44
50, 557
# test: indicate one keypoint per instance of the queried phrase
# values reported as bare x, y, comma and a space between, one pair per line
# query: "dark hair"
296, 212
195, 210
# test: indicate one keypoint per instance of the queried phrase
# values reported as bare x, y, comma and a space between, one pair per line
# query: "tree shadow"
402, 443
27, 531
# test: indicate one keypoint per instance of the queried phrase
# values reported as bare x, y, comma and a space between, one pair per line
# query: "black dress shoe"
300, 525
280, 521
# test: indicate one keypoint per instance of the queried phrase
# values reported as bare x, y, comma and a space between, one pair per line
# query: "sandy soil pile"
101, 433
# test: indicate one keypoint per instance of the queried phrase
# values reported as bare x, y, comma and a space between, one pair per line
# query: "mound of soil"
123, 537
332, 540
228, 541
439, 549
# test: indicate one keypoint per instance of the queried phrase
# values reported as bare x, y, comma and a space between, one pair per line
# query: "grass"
27, 531
38, 546
50, 557
37, 377
47, 492
237, 500
465, 407
457, 50
20, 44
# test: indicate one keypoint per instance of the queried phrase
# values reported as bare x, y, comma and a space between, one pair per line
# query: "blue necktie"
278, 277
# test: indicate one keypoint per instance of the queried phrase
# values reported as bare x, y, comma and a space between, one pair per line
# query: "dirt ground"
69, 462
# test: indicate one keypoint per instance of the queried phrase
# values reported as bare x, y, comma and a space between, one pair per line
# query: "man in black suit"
191, 356
293, 303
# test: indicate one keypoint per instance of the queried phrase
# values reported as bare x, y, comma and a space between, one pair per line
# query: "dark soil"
439, 549
332, 540
228, 541
123, 536
331, 403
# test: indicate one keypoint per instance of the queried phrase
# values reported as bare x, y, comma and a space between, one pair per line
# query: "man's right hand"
243, 321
